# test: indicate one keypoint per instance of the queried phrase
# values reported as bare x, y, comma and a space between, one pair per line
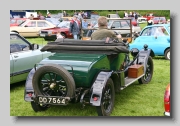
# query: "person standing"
84, 24
75, 27
48, 15
136, 18
150, 22
64, 14
31, 16
125, 14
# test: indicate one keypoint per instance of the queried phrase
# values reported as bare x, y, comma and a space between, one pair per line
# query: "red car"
159, 20
16, 21
133, 21
149, 16
167, 101
50, 33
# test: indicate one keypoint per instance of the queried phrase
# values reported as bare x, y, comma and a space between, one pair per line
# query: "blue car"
157, 37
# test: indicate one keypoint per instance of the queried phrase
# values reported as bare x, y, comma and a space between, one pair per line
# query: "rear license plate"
43, 35
53, 100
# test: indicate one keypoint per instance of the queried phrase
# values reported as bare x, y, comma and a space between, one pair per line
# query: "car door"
11, 67
30, 29
23, 57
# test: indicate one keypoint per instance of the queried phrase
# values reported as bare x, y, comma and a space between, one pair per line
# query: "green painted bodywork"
86, 66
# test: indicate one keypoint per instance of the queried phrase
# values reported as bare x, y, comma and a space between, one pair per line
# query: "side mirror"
35, 46
155, 37
25, 26
112, 27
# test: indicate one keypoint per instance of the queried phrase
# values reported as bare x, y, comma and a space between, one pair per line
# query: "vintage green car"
86, 71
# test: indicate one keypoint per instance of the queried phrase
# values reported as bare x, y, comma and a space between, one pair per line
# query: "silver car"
23, 57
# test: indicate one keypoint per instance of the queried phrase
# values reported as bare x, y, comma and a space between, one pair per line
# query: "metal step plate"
129, 81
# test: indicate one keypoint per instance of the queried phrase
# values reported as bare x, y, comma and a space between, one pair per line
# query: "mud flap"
97, 88
143, 57
29, 91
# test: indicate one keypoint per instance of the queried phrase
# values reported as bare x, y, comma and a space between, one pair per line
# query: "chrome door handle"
16, 56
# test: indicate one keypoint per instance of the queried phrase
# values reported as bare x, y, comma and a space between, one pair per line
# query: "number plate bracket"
54, 100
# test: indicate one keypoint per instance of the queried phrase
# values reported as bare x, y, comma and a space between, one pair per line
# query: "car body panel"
159, 20
16, 21
142, 20
50, 33
167, 101
84, 66
157, 43
23, 60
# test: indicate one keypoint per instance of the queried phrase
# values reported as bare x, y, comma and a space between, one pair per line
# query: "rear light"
167, 99
95, 98
30, 94
54, 32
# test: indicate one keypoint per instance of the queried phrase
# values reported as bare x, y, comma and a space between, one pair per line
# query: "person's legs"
75, 36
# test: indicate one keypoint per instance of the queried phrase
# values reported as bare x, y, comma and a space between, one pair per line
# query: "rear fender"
28, 86
143, 57
98, 86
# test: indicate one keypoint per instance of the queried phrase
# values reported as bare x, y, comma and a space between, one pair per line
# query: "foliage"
165, 13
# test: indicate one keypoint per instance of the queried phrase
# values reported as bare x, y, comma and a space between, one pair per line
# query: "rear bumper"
166, 113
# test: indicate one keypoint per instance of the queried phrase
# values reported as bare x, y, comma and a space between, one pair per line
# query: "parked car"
167, 101
23, 56
49, 34
86, 72
65, 18
149, 16
113, 16
16, 21
133, 21
142, 20
121, 24
54, 21
159, 20
157, 37
31, 28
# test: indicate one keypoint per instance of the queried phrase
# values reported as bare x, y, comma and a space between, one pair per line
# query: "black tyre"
167, 54
53, 80
107, 100
37, 107
63, 34
149, 72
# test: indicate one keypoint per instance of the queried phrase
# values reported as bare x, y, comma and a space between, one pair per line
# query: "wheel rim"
168, 55
51, 83
107, 99
148, 73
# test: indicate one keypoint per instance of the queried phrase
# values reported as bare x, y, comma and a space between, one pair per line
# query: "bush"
165, 13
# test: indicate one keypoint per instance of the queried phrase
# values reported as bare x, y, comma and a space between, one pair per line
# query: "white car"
31, 28
118, 24
142, 20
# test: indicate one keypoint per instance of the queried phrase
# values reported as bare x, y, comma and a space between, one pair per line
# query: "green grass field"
135, 100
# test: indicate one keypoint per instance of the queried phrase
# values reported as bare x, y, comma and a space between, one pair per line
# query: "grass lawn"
135, 100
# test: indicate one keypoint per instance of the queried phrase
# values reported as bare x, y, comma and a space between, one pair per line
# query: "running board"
129, 81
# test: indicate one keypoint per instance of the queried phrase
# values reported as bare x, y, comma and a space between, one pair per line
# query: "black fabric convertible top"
85, 46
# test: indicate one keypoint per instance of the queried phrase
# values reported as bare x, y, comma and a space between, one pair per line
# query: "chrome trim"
166, 113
